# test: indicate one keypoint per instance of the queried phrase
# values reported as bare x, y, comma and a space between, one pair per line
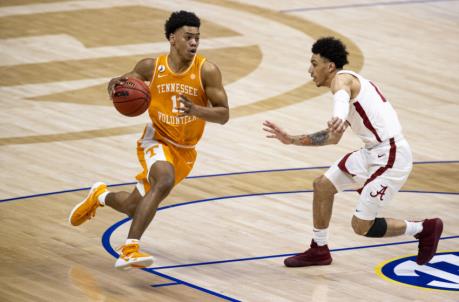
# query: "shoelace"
92, 213
126, 250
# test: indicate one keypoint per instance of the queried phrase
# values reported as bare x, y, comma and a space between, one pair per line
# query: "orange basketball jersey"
165, 87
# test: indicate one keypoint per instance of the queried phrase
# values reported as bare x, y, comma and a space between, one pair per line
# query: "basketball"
132, 98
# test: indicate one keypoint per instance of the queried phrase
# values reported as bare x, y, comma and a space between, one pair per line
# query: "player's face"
186, 41
320, 70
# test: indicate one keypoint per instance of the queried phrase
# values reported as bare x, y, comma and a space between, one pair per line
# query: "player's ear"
331, 66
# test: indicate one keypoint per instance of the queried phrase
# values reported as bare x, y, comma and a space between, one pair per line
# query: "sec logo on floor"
441, 273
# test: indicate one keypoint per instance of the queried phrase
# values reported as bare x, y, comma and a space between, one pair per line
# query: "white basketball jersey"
371, 116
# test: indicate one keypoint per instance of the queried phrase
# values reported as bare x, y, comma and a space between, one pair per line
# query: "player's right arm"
320, 138
143, 70
341, 87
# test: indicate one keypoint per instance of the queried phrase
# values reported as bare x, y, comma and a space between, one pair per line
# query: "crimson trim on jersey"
379, 92
342, 164
389, 165
366, 120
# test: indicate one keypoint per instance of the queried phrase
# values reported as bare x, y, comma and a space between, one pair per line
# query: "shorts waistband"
396, 138
150, 134
178, 145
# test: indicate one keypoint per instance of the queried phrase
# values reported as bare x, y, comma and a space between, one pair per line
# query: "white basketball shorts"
380, 172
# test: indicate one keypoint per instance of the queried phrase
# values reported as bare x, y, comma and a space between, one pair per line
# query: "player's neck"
177, 63
330, 78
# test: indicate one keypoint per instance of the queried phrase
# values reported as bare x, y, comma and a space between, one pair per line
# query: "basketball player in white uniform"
379, 169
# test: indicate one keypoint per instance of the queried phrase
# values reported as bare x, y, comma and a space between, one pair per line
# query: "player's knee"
378, 229
317, 183
370, 228
165, 184
322, 184
360, 226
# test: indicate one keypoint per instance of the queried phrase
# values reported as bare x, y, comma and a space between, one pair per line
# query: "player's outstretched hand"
336, 125
276, 132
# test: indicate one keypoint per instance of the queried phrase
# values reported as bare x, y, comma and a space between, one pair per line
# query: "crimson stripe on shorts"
380, 171
379, 92
366, 120
342, 164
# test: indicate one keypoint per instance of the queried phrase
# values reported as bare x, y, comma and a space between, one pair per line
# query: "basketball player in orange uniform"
186, 91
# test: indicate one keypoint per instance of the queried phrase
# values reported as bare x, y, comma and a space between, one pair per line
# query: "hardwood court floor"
223, 232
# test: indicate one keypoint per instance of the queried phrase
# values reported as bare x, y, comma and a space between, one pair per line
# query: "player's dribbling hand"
336, 125
113, 82
276, 132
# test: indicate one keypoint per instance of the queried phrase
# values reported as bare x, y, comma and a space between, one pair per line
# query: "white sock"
132, 241
413, 227
102, 197
320, 236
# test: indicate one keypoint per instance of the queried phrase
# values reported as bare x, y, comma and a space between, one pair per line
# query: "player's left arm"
218, 112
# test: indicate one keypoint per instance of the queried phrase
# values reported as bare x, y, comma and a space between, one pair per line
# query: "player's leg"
384, 182
166, 169
322, 204
318, 253
428, 231
337, 178
163, 176
162, 180
122, 201
378, 227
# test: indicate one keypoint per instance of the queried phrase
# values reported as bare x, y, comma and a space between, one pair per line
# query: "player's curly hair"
179, 19
332, 49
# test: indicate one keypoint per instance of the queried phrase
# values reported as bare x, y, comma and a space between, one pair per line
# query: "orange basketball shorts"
150, 151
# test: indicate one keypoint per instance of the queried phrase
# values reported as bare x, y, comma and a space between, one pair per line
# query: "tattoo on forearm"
319, 138
300, 140
316, 139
